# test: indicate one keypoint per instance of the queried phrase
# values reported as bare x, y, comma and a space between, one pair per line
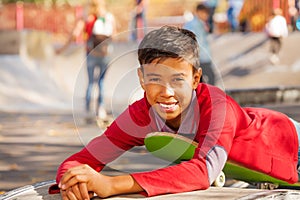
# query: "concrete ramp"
36, 79
28, 86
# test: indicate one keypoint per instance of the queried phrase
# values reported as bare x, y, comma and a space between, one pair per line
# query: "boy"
198, 25
174, 101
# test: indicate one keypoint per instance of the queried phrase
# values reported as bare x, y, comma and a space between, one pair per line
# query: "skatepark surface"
42, 118
39, 191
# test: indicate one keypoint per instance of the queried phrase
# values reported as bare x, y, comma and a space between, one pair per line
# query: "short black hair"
169, 42
202, 7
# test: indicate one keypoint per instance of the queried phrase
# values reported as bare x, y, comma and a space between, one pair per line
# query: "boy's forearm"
124, 184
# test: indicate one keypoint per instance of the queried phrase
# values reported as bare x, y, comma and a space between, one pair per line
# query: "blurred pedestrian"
233, 11
138, 22
98, 27
293, 12
211, 5
198, 25
101, 27
276, 29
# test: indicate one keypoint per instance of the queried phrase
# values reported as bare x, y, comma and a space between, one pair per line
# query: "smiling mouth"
168, 107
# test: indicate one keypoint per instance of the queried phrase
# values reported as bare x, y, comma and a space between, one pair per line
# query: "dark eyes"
154, 79
159, 80
178, 79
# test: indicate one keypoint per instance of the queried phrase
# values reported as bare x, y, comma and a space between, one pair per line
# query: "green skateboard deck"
170, 147
261, 180
177, 148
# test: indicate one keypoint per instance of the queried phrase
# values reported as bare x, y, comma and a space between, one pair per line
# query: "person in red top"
176, 101
97, 29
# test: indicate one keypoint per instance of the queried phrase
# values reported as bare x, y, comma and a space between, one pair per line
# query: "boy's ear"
197, 77
141, 78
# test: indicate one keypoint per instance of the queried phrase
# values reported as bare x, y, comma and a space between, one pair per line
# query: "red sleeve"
82, 157
184, 177
126, 131
101, 150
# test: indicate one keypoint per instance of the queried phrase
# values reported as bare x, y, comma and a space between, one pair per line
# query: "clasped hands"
81, 182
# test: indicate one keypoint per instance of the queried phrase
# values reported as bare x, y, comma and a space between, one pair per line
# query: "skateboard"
177, 148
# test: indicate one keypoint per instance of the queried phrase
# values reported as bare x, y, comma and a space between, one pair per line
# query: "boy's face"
168, 86
203, 15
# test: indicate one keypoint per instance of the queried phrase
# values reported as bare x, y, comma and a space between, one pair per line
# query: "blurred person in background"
293, 12
234, 8
98, 27
198, 25
276, 29
211, 5
138, 22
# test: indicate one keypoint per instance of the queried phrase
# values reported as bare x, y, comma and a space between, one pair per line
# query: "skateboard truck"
268, 186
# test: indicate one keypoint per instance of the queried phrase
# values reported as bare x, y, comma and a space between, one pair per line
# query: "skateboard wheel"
272, 186
220, 180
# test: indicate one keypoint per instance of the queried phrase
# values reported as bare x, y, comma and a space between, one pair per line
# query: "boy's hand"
78, 181
77, 192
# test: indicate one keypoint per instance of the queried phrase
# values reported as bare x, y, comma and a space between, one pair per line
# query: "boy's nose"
167, 90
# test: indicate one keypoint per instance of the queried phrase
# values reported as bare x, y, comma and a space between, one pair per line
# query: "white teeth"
167, 106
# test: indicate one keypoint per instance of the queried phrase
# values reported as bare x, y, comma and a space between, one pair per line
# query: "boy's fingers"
70, 174
73, 181
84, 191
71, 195
76, 192
65, 178
64, 195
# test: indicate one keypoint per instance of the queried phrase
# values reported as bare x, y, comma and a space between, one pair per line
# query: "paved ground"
39, 125
39, 191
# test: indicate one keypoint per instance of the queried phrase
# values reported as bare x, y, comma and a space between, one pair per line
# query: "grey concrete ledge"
271, 95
